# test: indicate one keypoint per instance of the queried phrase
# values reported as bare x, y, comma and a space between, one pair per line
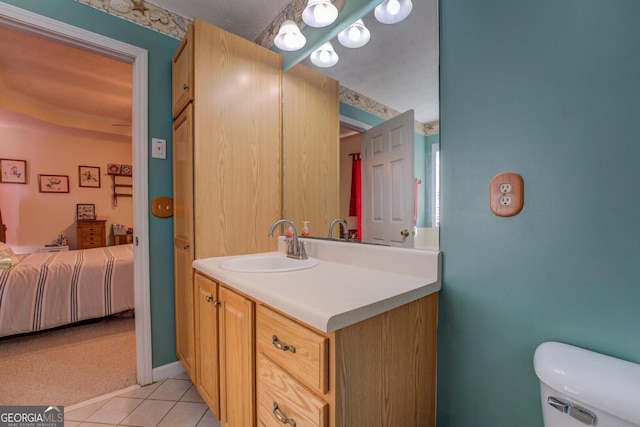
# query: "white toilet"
581, 387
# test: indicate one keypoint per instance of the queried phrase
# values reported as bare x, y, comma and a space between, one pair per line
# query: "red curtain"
355, 205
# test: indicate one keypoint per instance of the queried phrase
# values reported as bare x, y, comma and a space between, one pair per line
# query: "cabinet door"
207, 342
183, 237
237, 358
182, 73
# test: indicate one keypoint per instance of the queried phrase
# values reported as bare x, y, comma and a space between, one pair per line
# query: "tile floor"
174, 402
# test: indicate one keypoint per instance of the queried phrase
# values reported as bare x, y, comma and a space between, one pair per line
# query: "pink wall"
34, 219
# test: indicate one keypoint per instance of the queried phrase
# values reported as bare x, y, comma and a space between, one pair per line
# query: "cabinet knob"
185, 246
404, 233
185, 86
281, 417
284, 347
209, 298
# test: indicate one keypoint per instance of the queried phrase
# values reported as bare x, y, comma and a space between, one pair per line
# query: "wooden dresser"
91, 234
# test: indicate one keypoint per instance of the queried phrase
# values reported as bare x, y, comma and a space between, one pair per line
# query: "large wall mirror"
396, 72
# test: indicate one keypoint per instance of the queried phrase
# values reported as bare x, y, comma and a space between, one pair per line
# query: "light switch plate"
158, 148
506, 194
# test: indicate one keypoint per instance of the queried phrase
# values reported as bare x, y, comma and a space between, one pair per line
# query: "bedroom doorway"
31, 23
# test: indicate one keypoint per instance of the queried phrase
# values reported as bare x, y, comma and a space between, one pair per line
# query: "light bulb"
393, 11
289, 37
355, 35
319, 13
393, 7
324, 56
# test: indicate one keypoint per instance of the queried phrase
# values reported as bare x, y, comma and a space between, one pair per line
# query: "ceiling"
398, 68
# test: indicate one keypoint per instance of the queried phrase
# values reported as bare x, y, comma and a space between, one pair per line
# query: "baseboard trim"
101, 398
170, 370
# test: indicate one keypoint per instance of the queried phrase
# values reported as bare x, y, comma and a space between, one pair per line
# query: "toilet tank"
579, 387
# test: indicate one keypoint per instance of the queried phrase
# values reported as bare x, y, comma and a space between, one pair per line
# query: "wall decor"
89, 176
13, 171
113, 168
85, 211
126, 169
53, 183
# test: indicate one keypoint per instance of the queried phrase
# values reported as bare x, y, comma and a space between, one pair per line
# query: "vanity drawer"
309, 363
280, 395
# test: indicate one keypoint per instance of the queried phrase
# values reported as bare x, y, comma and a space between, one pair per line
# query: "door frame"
51, 29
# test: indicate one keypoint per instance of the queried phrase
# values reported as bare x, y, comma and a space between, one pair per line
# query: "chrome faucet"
345, 234
296, 248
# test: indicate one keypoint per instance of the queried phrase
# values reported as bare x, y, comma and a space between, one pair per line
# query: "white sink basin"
268, 263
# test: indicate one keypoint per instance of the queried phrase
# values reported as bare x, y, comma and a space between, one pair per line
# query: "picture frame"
126, 169
113, 168
85, 211
13, 171
53, 183
89, 176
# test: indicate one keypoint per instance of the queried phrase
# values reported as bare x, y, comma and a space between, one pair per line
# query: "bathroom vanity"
350, 341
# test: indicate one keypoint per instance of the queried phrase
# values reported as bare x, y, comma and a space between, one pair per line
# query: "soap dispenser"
305, 229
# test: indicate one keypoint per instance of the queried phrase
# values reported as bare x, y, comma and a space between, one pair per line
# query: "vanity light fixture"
319, 13
355, 35
324, 56
393, 11
289, 37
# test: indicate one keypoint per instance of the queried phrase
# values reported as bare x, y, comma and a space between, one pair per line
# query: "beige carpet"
69, 365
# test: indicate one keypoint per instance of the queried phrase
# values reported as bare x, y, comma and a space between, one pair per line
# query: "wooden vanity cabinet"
378, 372
226, 159
225, 352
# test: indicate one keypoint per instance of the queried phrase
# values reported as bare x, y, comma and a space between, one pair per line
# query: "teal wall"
160, 48
549, 89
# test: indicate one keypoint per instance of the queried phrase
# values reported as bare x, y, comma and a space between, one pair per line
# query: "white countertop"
332, 295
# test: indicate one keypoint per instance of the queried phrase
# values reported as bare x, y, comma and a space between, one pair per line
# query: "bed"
45, 290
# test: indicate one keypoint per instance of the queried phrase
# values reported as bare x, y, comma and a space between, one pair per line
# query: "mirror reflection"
394, 73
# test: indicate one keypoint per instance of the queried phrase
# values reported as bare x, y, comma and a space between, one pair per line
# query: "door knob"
404, 233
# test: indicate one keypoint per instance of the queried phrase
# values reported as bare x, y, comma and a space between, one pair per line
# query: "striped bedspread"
46, 290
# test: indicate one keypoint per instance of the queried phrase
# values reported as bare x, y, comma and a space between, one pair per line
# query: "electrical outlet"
506, 194
505, 200
505, 187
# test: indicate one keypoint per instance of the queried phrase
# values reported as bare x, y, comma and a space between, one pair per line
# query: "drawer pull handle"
281, 346
280, 416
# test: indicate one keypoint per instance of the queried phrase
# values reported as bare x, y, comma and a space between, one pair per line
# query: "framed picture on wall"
89, 176
13, 171
85, 211
53, 183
